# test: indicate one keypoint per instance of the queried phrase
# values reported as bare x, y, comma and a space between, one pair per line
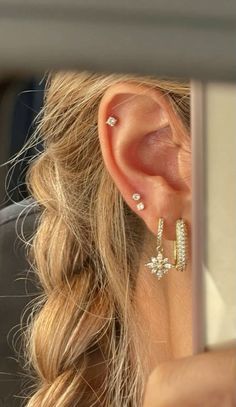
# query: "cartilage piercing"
111, 121
136, 196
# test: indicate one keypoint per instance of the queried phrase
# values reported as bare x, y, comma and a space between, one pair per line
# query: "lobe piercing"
111, 121
140, 206
136, 197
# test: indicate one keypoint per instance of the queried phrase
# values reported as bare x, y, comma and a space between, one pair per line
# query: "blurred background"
21, 99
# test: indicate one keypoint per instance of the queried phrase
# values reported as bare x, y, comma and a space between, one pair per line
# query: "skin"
207, 380
176, 378
141, 158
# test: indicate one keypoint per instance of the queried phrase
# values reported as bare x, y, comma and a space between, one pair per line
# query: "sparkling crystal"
159, 265
136, 197
111, 121
140, 206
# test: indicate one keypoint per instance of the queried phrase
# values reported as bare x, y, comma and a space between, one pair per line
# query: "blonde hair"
81, 340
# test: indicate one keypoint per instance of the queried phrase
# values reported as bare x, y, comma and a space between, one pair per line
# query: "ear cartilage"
111, 121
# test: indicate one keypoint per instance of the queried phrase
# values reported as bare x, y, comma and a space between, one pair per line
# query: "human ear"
147, 151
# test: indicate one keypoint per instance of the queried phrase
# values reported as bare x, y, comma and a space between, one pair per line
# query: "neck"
164, 315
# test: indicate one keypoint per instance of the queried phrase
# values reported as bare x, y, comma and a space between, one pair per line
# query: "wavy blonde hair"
82, 340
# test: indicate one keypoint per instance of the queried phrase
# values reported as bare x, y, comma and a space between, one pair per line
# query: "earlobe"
144, 153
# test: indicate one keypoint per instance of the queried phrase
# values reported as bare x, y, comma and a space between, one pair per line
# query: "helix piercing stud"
111, 121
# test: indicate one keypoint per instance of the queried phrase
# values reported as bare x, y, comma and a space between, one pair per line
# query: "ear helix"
160, 264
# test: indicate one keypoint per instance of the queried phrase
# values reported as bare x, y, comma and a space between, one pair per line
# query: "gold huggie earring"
160, 265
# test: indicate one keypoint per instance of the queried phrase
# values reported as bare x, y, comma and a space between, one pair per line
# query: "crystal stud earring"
140, 206
111, 121
136, 197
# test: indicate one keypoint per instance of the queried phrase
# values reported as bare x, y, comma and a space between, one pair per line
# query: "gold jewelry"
160, 265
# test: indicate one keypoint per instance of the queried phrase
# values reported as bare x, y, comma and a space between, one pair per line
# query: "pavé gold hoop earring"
160, 264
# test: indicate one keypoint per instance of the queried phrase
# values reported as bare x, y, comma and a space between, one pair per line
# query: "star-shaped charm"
159, 265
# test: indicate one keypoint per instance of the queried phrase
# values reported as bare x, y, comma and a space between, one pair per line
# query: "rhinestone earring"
111, 121
136, 197
160, 264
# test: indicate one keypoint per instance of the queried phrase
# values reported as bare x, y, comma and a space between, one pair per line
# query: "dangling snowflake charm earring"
160, 264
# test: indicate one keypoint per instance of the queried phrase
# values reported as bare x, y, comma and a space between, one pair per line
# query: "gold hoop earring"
160, 264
